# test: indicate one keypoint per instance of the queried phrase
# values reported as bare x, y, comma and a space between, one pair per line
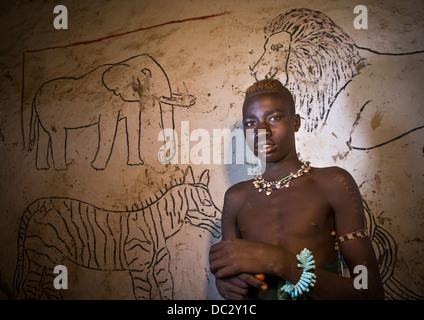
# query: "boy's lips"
268, 147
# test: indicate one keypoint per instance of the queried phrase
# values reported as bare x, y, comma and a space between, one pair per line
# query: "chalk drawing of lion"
367, 105
318, 61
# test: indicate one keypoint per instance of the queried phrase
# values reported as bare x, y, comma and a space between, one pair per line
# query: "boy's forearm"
233, 257
283, 264
328, 285
332, 286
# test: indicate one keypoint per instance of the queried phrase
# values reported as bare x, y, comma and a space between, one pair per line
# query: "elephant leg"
133, 123
171, 145
163, 276
43, 148
107, 131
58, 144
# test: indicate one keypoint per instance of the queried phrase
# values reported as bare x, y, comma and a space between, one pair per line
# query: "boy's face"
272, 113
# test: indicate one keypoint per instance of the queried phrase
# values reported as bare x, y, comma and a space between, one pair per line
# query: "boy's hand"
236, 287
231, 257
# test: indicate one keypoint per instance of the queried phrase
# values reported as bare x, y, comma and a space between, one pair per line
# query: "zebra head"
201, 211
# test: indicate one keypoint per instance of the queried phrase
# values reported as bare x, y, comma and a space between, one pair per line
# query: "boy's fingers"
260, 276
239, 282
253, 281
233, 289
214, 254
236, 289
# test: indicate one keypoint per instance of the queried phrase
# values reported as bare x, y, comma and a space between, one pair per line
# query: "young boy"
267, 222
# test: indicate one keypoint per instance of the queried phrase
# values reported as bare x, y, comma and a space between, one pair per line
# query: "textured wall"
82, 111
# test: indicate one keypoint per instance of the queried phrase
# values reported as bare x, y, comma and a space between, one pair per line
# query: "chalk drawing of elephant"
102, 97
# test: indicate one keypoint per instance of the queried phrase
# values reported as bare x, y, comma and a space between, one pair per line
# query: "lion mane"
322, 61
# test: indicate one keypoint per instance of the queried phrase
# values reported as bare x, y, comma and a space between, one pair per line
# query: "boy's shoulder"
332, 178
234, 197
240, 188
330, 171
237, 193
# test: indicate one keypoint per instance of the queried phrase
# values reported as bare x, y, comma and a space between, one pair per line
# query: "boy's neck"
278, 170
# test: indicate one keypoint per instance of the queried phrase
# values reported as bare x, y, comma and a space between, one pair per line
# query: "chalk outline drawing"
195, 216
358, 116
87, 42
121, 91
302, 29
386, 249
56, 231
317, 54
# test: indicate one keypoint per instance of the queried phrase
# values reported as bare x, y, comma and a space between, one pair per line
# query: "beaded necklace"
269, 186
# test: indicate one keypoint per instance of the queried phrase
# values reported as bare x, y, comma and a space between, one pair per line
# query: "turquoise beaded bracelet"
307, 279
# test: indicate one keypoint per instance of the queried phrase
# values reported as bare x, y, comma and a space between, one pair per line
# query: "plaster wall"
92, 194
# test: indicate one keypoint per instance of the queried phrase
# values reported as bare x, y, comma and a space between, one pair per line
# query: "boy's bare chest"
292, 213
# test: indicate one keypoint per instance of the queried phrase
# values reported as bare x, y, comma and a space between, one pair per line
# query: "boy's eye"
249, 123
275, 118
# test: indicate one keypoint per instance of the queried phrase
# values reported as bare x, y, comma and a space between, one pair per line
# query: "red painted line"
98, 40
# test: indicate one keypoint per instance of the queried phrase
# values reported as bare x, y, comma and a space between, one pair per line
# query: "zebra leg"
48, 286
141, 284
39, 280
31, 282
139, 259
163, 275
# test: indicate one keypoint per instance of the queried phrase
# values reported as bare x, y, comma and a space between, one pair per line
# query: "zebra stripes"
56, 230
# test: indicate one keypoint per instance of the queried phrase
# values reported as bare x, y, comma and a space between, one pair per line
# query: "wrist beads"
307, 279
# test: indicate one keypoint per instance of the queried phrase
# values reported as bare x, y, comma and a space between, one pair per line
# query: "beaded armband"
353, 235
361, 233
307, 279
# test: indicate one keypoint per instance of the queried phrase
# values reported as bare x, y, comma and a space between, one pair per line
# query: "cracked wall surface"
85, 181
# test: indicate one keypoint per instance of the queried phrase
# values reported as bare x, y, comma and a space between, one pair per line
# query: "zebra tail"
17, 279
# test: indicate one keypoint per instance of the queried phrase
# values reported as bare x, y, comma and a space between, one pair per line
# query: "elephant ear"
143, 83
118, 78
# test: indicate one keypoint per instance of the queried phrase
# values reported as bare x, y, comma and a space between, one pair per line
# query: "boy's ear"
296, 123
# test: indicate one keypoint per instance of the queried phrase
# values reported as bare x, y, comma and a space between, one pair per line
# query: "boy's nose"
263, 133
263, 130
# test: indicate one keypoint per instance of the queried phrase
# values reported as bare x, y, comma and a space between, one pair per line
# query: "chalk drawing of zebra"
54, 231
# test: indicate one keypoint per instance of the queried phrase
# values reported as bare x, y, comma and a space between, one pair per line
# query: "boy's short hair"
270, 86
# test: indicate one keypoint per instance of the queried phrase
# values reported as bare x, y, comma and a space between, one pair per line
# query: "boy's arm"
235, 286
238, 256
348, 208
232, 203
346, 201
